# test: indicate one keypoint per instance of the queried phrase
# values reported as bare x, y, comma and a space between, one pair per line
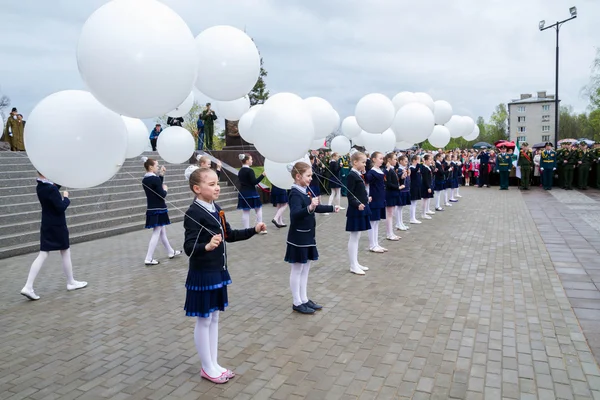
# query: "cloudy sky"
473, 53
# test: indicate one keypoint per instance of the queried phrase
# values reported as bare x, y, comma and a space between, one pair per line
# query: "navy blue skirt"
301, 255
377, 214
206, 292
425, 194
392, 198
54, 237
404, 198
439, 186
357, 220
335, 183
278, 196
248, 203
453, 183
415, 195
157, 218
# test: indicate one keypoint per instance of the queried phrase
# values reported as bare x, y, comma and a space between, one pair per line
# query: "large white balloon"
404, 145
233, 110
455, 126
245, 124
440, 137
425, 99
413, 123
468, 126
278, 174
335, 120
229, 63
317, 144
382, 142
442, 112
403, 98
474, 134
340, 144
350, 127
175, 145
137, 137
283, 130
360, 140
184, 107
137, 57
87, 151
375, 113
322, 115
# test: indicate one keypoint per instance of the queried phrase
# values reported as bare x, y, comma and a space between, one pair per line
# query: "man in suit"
484, 162
584, 164
504, 167
547, 166
525, 162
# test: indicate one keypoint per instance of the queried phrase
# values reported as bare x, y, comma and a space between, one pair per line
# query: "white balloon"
287, 97
322, 115
468, 126
382, 142
245, 124
350, 127
404, 145
413, 123
340, 144
474, 135
455, 126
175, 145
403, 98
425, 99
442, 112
335, 120
440, 137
359, 140
137, 57
278, 174
229, 63
87, 151
233, 110
375, 113
137, 136
317, 144
283, 130
184, 107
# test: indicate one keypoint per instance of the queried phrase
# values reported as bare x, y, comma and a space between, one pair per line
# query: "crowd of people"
13, 132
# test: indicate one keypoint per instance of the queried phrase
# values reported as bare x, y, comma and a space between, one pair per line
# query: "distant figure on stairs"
154, 135
14, 131
54, 235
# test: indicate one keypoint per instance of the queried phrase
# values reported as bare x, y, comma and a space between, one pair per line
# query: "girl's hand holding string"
336, 209
314, 202
162, 170
165, 188
361, 207
65, 194
260, 227
402, 187
215, 241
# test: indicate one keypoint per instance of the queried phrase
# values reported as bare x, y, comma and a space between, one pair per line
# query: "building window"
520, 119
545, 118
545, 128
546, 107
545, 138
521, 139
521, 109
521, 129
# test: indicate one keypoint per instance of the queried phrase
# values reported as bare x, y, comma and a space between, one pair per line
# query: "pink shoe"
218, 380
229, 374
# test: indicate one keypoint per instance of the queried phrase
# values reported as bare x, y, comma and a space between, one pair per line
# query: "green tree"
259, 93
592, 89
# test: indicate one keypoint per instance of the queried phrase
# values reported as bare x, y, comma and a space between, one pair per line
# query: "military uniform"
584, 164
547, 167
569, 160
525, 162
560, 153
504, 166
597, 161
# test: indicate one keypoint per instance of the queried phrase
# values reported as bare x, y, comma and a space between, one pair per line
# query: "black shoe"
313, 305
303, 309
275, 223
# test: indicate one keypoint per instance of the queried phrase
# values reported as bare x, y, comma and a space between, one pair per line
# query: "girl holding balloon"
358, 213
248, 198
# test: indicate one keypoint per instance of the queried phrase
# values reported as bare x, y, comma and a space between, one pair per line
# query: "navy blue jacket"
391, 180
302, 221
248, 181
484, 158
357, 192
53, 204
155, 194
426, 177
439, 173
376, 188
406, 181
415, 178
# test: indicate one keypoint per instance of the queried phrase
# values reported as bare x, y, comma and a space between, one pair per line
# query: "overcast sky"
473, 53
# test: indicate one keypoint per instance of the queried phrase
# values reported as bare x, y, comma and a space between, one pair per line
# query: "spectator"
175, 121
208, 116
154, 135
200, 126
13, 132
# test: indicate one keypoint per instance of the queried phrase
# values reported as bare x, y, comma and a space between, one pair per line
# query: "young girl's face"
393, 161
208, 190
205, 164
377, 160
154, 168
249, 161
360, 164
404, 162
416, 161
304, 179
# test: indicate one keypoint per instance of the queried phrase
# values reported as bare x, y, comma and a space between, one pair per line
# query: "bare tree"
4, 103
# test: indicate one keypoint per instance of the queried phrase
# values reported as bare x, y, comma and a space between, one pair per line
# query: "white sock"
389, 221
258, 215
202, 341
213, 335
353, 249
413, 211
295, 278
457, 192
373, 242
153, 242
279, 214
429, 205
437, 199
246, 219
165, 240
425, 209
304, 282
446, 194
36, 266
331, 197
399, 216
67, 265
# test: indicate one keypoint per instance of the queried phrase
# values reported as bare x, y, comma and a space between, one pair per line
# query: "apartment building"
531, 119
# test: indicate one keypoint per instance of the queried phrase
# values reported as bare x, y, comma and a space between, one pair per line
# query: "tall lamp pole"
573, 11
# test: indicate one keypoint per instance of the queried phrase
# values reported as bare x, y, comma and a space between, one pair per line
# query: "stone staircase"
115, 207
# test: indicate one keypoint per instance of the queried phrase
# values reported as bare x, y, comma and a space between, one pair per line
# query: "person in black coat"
157, 217
54, 235
392, 194
426, 186
415, 187
206, 231
438, 181
279, 199
248, 198
358, 213
335, 182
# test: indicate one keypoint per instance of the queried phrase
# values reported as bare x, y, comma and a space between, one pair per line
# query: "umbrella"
566, 141
481, 145
539, 145
507, 144
588, 141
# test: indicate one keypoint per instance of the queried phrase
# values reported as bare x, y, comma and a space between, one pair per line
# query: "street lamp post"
557, 25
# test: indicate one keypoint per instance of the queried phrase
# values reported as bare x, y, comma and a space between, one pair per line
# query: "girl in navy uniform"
426, 186
447, 178
206, 231
335, 183
454, 178
375, 178
279, 198
357, 215
301, 244
460, 160
404, 179
314, 184
415, 188
392, 194
248, 196
54, 235
438, 181
157, 217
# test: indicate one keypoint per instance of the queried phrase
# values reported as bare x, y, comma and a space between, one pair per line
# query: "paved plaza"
469, 305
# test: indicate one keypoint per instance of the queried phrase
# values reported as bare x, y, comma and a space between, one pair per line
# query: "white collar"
245, 166
45, 181
300, 188
209, 206
378, 170
149, 174
355, 170
426, 166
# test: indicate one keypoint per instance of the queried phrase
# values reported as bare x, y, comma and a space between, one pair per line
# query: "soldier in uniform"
547, 166
569, 160
504, 165
584, 164
560, 165
597, 161
525, 162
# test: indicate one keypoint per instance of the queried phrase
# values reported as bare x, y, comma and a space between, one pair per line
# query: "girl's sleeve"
59, 203
234, 235
297, 209
193, 242
351, 187
255, 181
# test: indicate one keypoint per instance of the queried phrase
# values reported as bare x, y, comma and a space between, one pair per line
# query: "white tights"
426, 206
206, 338
399, 222
38, 263
389, 221
246, 217
438, 198
413, 210
299, 282
159, 232
279, 214
446, 194
336, 196
353, 249
374, 235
